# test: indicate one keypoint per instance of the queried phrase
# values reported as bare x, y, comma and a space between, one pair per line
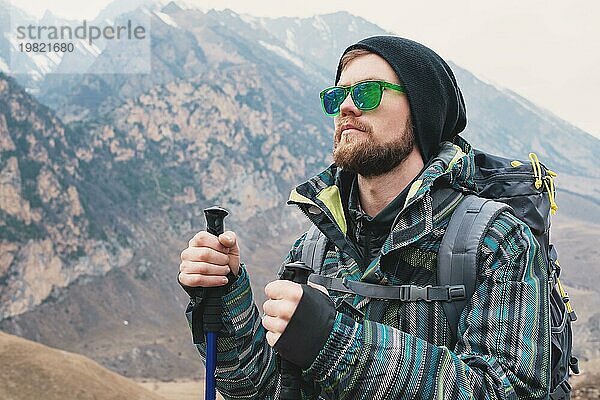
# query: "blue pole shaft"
211, 366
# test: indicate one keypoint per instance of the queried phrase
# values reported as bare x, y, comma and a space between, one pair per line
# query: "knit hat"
436, 102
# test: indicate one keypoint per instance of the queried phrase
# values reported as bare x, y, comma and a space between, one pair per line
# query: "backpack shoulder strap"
313, 248
458, 250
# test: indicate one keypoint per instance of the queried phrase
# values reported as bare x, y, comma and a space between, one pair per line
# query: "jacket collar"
323, 202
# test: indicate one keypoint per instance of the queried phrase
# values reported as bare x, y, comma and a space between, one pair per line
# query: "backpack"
501, 185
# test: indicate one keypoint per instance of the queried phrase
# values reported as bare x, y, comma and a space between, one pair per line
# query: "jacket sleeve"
246, 364
504, 337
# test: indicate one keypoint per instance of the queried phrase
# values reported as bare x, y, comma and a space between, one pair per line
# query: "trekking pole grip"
291, 375
212, 306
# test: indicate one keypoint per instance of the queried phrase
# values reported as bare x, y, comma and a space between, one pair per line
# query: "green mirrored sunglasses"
366, 95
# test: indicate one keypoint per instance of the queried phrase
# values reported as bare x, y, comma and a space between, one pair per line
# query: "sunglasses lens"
332, 99
367, 95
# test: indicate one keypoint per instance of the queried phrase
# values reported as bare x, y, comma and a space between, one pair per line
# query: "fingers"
226, 240
204, 254
205, 239
229, 240
274, 327
284, 297
281, 289
221, 250
280, 308
273, 324
208, 258
272, 338
203, 268
195, 280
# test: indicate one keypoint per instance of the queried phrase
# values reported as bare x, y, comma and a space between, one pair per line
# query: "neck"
376, 192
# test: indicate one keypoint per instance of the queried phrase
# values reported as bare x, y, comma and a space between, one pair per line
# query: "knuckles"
199, 238
274, 324
196, 280
196, 254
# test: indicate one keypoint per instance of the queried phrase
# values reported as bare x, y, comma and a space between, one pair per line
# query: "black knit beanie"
436, 103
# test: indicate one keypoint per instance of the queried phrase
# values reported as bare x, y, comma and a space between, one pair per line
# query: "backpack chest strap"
391, 292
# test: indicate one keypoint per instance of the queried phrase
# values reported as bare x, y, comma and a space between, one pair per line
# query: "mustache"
353, 121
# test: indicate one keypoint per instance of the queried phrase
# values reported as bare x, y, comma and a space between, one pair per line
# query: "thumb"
229, 240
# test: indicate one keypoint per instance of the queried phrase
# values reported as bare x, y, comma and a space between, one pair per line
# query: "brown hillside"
33, 371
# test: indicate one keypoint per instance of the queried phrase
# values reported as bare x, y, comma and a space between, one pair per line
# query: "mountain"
33, 371
104, 178
141, 184
319, 38
185, 44
29, 66
117, 8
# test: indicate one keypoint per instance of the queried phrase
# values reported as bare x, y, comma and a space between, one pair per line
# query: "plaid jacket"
405, 350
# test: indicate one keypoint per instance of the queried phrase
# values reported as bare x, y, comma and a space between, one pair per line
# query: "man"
397, 111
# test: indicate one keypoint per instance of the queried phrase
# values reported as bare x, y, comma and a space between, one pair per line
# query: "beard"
366, 156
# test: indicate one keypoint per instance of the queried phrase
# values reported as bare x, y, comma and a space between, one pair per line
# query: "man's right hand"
208, 259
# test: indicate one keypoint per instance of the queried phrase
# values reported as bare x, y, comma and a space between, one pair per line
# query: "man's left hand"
283, 298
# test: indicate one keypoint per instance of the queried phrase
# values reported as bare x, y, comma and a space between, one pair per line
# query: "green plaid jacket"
405, 350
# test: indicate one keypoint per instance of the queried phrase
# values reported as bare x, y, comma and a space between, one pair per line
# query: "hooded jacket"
408, 352
368, 349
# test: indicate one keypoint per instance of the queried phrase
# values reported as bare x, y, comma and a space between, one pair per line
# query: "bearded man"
397, 112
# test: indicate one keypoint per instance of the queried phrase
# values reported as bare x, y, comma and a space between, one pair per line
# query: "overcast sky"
546, 50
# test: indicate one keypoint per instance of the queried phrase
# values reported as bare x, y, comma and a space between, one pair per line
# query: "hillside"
33, 371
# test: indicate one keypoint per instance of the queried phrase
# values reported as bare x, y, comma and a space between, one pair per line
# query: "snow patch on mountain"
93, 49
320, 24
3, 66
254, 22
282, 53
45, 64
190, 5
166, 18
290, 40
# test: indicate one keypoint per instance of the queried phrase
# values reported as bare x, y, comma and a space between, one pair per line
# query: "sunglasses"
366, 96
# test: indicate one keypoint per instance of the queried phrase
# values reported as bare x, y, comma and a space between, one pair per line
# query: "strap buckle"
414, 293
456, 292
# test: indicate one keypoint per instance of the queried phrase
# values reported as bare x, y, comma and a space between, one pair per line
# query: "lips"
347, 127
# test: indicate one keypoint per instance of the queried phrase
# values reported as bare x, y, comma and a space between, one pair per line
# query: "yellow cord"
549, 183
564, 295
537, 170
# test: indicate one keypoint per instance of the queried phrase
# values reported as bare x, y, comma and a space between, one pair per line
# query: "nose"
349, 108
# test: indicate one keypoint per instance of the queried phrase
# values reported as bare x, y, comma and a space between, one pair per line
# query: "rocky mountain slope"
95, 211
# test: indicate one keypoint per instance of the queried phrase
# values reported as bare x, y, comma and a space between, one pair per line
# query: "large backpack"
525, 189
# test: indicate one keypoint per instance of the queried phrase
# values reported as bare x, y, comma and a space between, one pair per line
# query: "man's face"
373, 142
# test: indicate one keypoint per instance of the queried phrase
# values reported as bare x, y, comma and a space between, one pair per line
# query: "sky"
548, 51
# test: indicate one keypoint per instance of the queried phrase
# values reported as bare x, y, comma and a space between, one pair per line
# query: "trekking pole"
212, 307
291, 375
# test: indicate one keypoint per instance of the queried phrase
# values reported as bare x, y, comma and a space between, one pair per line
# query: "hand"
283, 298
208, 259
